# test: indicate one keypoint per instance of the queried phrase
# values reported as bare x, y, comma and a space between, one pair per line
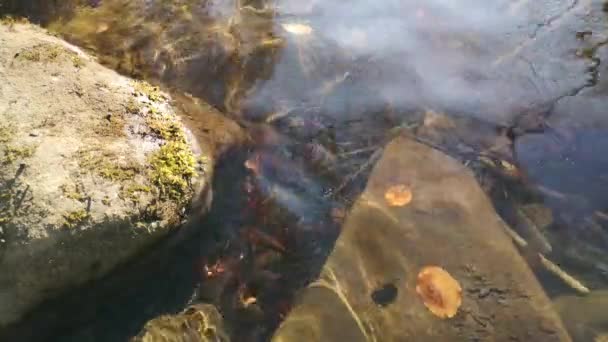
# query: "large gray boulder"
94, 168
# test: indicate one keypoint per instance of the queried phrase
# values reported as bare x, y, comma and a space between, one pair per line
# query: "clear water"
519, 96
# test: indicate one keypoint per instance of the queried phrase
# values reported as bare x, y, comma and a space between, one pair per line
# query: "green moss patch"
43, 52
15, 153
133, 192
75, 218
74, 191
133, 107
5, 204
6, 133
153, 93
15, 197
106, 166
106, 201
162, 187
11, 152
163, 128
112, 126
48, 52
77, 61
173, 166
11, 21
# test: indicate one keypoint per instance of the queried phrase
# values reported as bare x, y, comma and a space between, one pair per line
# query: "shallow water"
518, 83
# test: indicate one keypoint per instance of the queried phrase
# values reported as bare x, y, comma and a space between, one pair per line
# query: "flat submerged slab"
449, 223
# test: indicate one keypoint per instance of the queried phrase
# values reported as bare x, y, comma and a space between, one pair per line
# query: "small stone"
483, 293
34, 134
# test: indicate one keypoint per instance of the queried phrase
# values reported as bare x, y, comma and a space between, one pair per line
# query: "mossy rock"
198, 323
172, 42
94, 168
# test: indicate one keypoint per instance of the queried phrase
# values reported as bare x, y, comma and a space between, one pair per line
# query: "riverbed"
515, 90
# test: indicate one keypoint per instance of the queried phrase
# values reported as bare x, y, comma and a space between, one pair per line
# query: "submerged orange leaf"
248, 301
398, 195
440, 292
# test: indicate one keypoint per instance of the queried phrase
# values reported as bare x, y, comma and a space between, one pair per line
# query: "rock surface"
175, 43
94, 168
367, 288
585, 316
197, 323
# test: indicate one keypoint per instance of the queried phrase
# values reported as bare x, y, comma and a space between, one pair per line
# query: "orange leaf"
440, 292
398, 195
248, 301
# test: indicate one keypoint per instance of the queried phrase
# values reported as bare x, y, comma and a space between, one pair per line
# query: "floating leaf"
440, 292
398, 195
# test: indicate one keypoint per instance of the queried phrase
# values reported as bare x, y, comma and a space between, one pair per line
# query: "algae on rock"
201, 322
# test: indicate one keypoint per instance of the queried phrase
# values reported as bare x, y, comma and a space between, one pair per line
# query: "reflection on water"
323, 85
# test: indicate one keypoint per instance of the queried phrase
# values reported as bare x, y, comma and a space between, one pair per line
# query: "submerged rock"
449, 223
213, 50
200, 322
95, 168
585, 316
